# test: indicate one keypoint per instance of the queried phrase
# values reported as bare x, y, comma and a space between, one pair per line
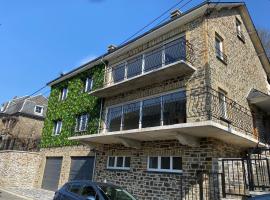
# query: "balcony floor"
179, 68
197, 130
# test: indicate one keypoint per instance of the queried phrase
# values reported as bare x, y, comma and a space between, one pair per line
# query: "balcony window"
153, 60
163, 110
151, 112
118, 73
174, 108
115, 118
131, 116
134, 67
222, 104
175, 51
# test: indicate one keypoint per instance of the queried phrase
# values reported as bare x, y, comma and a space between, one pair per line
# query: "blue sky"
40, 39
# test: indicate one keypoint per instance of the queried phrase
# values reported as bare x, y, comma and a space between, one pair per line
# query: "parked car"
260, 197
88, 190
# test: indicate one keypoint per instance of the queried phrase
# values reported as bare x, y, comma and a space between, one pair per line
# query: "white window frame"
87, 84
223, 105
57, 125
63, 95
220, 47
139, 100
79, 120
171, 170
42, 109
115, 163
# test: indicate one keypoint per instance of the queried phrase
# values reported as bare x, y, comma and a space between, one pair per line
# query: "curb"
18, 195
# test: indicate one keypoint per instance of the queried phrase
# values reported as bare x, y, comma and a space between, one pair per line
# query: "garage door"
52, 173
81, 168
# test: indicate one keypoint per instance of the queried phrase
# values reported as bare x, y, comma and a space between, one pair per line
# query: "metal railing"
179, 49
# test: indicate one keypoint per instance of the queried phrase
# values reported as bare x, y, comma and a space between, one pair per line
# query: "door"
52, 173
81, 168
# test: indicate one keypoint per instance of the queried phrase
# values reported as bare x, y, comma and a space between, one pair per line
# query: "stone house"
21, 122
168, 103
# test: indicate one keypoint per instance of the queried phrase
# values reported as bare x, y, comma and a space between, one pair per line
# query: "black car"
88, 190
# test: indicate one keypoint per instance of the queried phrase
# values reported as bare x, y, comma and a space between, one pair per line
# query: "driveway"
8, 196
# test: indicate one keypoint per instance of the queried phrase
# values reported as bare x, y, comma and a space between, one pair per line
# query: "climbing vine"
77, 102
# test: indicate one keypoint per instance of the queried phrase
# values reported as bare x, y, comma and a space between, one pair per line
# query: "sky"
40, 39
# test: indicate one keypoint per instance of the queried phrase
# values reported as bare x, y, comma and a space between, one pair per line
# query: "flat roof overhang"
260, 99
179, 68
181, 132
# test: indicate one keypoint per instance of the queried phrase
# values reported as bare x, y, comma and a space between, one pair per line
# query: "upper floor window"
88, 84
39, 110
165, 163
219, 46
57, 127
118, 162
222, 103
2, 108
239, 31
64, 93
82, 123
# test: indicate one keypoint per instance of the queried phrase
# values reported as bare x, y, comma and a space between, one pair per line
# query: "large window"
118, 73
165, 163
118, 162
175, 51
134, 67
157, 111
153, 60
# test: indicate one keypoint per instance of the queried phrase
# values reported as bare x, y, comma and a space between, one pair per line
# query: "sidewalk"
31, 194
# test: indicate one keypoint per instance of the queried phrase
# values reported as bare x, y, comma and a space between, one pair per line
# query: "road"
7, 196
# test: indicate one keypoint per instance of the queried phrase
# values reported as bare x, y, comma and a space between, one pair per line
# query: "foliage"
76, 103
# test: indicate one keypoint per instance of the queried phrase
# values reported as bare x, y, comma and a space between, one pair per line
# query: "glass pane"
175, 51
114, 118
134, 67
165, 162
131, 116
111, 161
119, 162
174, 108
153, 60
151, 112
153, 162
84, 121
88, 191
177, 163
127, 162
88, 84
118, 73
75, 188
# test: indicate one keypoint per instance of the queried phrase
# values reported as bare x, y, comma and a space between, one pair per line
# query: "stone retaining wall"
18, 168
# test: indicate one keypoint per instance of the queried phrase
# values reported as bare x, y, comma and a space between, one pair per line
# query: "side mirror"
91, 198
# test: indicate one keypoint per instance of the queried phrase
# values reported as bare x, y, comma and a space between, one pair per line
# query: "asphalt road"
7, 196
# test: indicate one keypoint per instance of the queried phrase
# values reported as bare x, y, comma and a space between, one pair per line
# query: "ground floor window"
118, 162
165, 164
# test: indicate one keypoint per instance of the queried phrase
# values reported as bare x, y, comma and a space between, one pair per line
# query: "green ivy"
77, 102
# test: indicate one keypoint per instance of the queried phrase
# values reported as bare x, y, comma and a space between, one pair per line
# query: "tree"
264, 34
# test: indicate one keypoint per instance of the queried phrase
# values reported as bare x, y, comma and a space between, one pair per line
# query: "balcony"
171, 60
182, 115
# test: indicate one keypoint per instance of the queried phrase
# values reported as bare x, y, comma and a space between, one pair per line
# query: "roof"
184, 18
25, 106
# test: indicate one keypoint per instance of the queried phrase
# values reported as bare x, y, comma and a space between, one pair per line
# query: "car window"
116, 193
88, 191
75, 188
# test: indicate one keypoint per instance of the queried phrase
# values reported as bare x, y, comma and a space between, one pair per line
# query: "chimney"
111, 48
176, 13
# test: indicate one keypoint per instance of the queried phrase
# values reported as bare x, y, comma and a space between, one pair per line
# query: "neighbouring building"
21, 122
169, 103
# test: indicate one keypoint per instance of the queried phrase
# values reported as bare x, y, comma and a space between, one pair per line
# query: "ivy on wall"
77, 102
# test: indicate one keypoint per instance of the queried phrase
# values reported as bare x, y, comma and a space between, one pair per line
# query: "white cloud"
86, 59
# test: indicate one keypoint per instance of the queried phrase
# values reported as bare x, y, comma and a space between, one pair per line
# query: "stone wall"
155, 185
66, 153
18, 168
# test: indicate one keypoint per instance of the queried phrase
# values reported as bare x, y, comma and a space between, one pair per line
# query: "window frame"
115, 163
159, 169
220, 50
79, 120
63, 96
42, 110
87, 84
223, 105
56, 127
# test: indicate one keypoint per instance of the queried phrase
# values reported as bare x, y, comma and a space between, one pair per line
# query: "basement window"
165, 164
118, 162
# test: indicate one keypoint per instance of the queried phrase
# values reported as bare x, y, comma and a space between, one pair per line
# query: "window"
75, 188
57, 127
239, 31
153, 60
2, 108
118, 73
165, 163
39, 110
134, 67
151, 112
118, 162
64, 93
82, 123
131, 116
88, 84
175, 50
222, 103
88, 191
114, 119
219, 47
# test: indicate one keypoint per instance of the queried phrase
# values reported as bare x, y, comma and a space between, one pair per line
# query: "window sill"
165, 171
118, 169
222, 60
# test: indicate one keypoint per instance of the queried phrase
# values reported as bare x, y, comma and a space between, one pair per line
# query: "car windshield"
115, 193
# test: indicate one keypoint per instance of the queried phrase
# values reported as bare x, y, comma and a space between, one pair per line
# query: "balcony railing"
177, 50
196, 105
